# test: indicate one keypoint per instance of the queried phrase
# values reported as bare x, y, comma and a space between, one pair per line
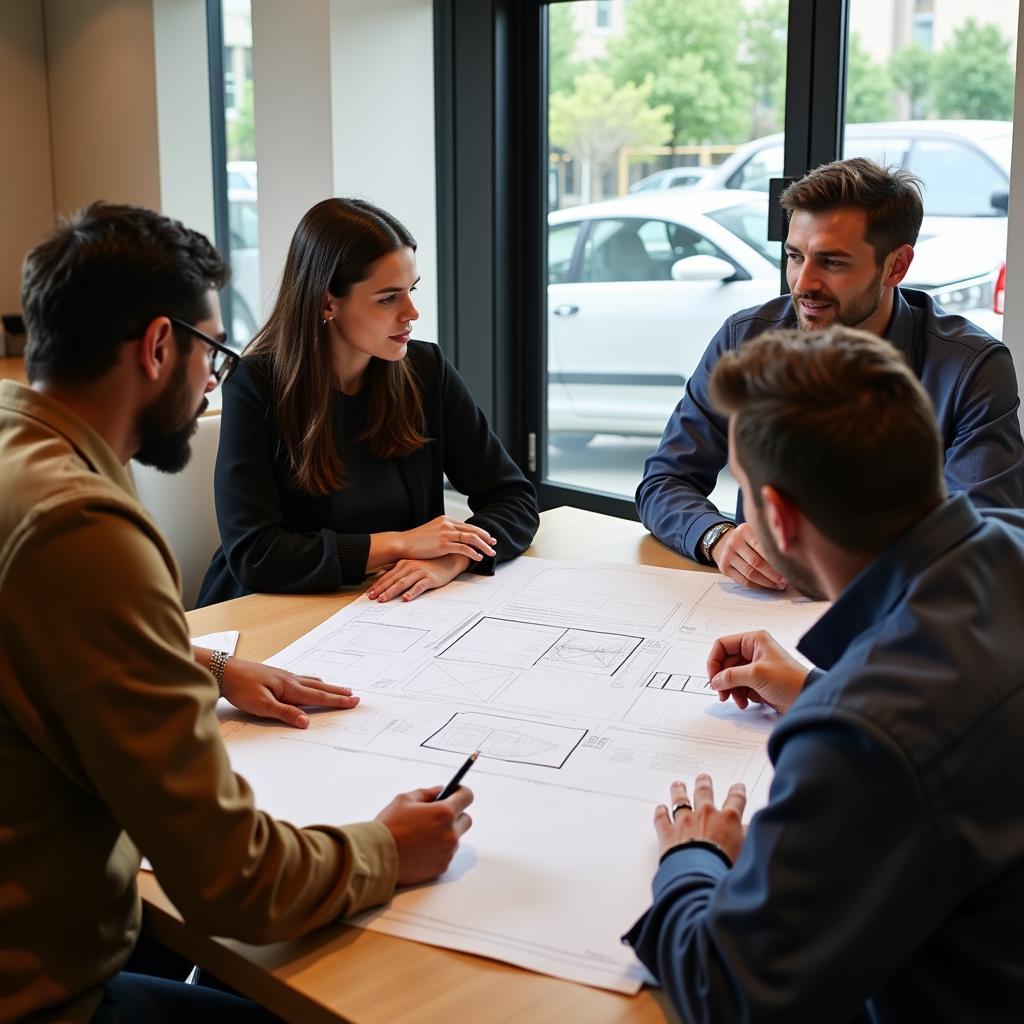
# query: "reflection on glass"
651, 245
930, 87
243, 213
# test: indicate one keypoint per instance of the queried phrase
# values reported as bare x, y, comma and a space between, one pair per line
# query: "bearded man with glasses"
108, 739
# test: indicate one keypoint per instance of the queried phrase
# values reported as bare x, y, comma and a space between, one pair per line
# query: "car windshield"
749, 222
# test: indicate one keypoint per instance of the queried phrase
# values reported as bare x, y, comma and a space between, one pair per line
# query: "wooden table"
348, 974
13, 368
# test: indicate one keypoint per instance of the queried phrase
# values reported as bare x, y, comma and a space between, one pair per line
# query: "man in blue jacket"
886, 874
852, 228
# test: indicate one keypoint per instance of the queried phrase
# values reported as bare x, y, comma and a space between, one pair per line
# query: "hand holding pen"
426, 825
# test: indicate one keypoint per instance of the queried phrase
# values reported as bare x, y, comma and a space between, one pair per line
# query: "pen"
457, 777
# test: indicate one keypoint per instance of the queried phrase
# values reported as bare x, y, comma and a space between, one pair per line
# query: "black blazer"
276, 538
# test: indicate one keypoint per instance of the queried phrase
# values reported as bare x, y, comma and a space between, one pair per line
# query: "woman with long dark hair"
338, 429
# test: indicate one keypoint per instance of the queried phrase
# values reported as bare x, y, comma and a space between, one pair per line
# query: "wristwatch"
711, 537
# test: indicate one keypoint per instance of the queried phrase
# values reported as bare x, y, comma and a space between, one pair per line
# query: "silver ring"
680, 805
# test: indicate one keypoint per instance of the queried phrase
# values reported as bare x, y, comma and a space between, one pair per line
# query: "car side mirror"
702, 268
1001, 200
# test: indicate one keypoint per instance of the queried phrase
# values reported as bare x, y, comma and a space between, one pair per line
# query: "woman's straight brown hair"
335, 246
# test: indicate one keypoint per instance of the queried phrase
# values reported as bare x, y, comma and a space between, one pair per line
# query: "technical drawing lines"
681, 682
452, 680
507, 739
591, 651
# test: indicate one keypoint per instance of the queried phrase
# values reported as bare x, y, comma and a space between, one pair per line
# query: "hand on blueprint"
739, 556
426, 831
753, 668
274, 693
702, 820
412, 576
446, 536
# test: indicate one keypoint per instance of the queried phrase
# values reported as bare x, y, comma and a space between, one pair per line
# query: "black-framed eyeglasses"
223, 360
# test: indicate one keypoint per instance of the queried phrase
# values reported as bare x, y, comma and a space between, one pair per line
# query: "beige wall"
102, 87
291, 59
383, 123
26, 195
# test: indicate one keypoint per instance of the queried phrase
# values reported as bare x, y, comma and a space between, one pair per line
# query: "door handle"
566, 310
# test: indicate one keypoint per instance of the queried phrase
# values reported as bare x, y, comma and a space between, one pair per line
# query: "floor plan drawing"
507, 739
452, 680
584, 688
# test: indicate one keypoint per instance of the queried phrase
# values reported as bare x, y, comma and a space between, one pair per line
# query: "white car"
673, 177
638, 286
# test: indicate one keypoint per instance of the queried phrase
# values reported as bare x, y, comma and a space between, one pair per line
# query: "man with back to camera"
885, 876
107, 720
852, 228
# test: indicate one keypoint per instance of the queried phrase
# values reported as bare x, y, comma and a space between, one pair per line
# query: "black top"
278, 539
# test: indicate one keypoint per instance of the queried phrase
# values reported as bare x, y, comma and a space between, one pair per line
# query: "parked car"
243, 225
637, 287
674, 177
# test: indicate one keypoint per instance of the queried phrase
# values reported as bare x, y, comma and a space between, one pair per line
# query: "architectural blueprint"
584, 689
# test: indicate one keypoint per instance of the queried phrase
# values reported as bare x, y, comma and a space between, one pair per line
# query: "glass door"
664, 123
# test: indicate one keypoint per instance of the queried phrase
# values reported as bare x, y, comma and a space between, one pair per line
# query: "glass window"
759, 169
749, 222
930, 86
959, 181
622, 335
243, 193
561, 248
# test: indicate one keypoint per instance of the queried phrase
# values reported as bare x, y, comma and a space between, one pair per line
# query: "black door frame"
491, 134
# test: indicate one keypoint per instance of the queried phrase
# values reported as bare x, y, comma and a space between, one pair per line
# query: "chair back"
182, 506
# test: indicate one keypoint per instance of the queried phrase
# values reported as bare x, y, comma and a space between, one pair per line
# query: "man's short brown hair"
838, 424
889, 196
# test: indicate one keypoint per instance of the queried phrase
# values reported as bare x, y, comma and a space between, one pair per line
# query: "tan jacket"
109, 744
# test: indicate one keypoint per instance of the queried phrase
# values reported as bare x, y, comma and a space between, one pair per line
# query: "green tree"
596, 120
868, 87
974, 74
562, 40
911, 70
689, 51
242, 131
764, 49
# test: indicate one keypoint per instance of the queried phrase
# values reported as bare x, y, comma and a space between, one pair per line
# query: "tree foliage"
973, 74
689, 52
596, 120
868, 86
764, 57
562, 40
911, 70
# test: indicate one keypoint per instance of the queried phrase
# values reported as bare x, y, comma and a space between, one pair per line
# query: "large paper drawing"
584, 689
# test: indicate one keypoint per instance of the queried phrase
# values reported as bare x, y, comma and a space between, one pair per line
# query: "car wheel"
571, 442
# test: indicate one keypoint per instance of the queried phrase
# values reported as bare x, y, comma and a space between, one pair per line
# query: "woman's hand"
274, 693
446, 536
411, 576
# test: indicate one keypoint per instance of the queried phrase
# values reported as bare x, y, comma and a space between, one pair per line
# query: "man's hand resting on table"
753, 668
426, 831
275, 693
700, 819
738, 556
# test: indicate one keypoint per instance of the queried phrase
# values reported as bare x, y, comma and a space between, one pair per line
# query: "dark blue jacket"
966, 372
886, 874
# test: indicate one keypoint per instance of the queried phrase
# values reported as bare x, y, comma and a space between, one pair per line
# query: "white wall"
26, 198
102, 88
382, 89
183, 112
292, 103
